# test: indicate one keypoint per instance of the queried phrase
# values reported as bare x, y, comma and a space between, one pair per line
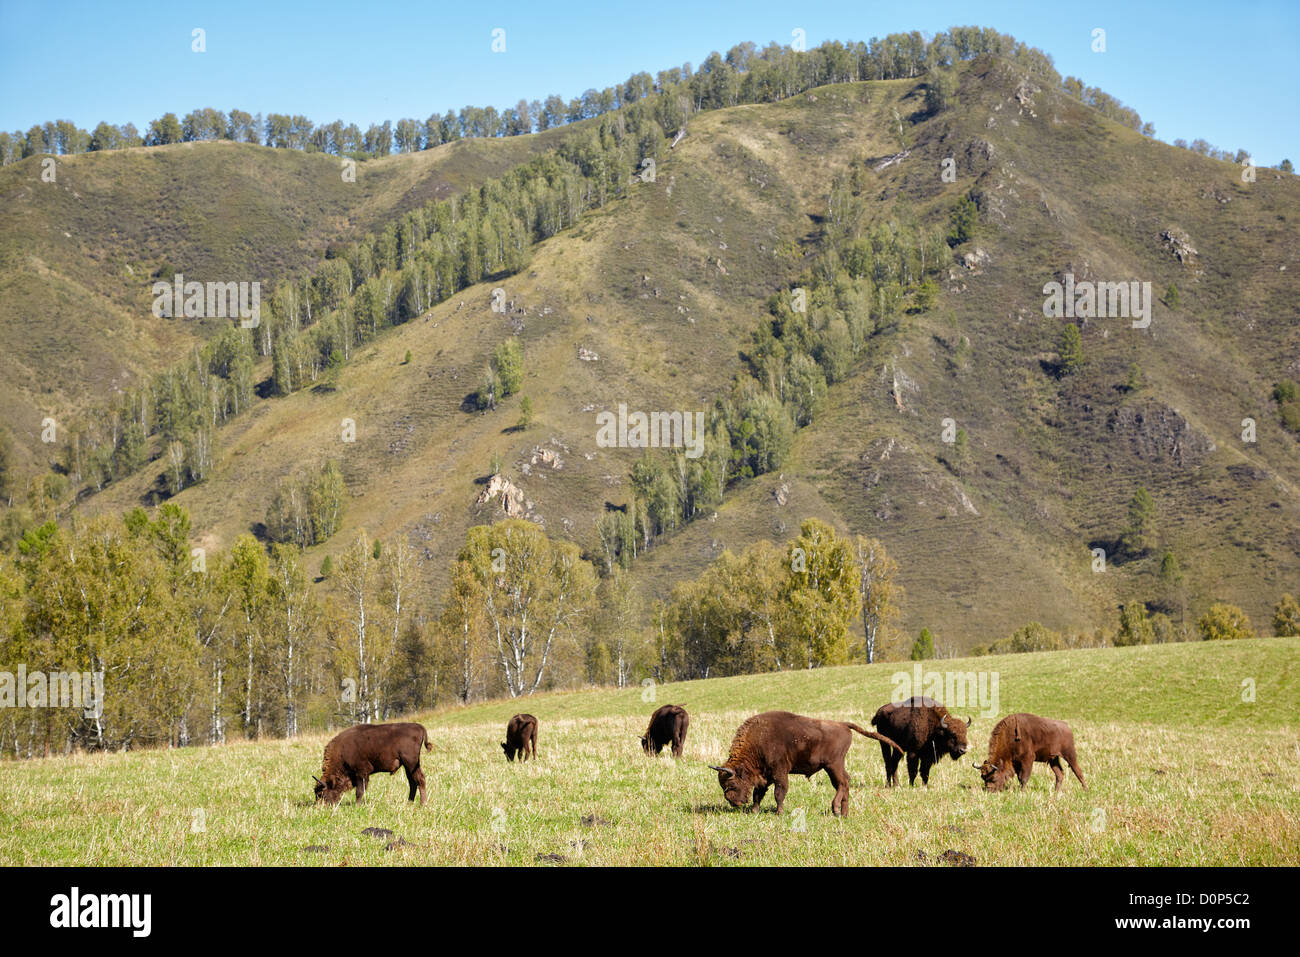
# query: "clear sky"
1221, 71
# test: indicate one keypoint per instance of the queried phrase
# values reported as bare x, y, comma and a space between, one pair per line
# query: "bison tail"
428, 745
879, 737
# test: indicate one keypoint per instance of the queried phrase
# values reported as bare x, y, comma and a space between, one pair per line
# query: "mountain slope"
667, 286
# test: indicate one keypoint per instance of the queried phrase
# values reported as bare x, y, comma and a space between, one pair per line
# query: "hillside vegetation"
667, 286
1191, 753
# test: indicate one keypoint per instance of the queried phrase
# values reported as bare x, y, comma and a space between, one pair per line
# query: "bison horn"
317, 780
970, 719
943, 723
721, 770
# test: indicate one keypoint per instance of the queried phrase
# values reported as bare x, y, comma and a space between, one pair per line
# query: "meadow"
1191, 753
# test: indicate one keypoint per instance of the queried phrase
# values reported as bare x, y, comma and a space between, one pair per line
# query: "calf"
521, 737
925, 730
353, 755
667, 726
1018, 740
771, 746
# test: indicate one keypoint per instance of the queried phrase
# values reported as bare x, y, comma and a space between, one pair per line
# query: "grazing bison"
521, 737
667, 726
355, 754
769, 747
1018, 740
925, 730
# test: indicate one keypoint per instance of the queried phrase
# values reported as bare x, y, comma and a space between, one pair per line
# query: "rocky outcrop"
1157, 432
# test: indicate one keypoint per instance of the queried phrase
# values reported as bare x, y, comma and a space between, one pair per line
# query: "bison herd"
766, 750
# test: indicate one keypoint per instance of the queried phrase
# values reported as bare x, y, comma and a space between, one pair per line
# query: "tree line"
746, 74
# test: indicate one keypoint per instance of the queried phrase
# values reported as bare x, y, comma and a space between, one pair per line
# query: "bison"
353, 755
1018, 740
667, 726
926, 731
521, 737
769, 747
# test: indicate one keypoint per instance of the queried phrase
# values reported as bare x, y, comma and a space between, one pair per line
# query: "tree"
292, 616
166, 129
1286, 166
940, 90
363, 649
1171, 296
532, 593
1286, 617
1139, 537
923, 647
1223, 622
508, 363
525, 412
1134, 626
965, 217
1071, 350
822, 595
879, 592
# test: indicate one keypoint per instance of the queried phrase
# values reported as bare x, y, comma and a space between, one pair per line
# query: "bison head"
329, 793
510, 752
735, 788
950, 737
645, 744
994, 775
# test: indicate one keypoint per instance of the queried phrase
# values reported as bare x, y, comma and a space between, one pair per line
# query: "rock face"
510, 497
1156, 432
1179, 243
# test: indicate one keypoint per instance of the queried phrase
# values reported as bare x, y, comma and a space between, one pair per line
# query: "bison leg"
912, 762
1072, 760
892, 758
839, 776
1055, 765
781, 784
926, 764
1023, 770
677, 747
415, 778
362, 781
759, 793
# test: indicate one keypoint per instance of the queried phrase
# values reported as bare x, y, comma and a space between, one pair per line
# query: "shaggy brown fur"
1019, 740
668, 725
926, 731
521, 737
353, 755
771, 746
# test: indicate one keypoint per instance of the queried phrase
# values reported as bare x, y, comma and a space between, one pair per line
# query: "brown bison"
925, 730
771, 746
355, 754
667, 726
521, 737
1018, 740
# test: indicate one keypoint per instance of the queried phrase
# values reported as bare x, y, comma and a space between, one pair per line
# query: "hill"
78, 255
1184, 767
666, 287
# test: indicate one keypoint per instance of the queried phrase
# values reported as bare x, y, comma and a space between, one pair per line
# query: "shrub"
1224, 622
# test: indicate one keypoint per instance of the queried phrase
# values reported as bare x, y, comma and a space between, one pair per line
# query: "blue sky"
1222, 71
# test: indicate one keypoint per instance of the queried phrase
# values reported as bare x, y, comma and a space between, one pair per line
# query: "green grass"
1181, 771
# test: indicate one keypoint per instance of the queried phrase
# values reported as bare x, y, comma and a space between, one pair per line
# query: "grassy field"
1181, 770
